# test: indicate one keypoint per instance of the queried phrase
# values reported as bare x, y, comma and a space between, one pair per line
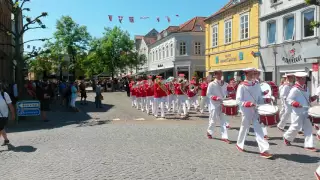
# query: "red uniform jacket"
143, 91
158, 92
178, 89
169, 91
190, 93
150, 90
204, 87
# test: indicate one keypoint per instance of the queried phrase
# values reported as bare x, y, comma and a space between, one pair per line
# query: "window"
157, 55
214, 35
244, 26
289, 28
160, 57
271, 32
182, 48
227, 31
171, 50
268, 76
308, 17
197, 48
153, 56
163, 53
167, 51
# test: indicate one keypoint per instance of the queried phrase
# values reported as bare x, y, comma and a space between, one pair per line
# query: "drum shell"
314, 120
270, 119
229, 110
267, 100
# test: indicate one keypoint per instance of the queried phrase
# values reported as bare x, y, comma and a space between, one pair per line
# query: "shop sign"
217, 59
315, 67
228, 58
240, 56
292, 58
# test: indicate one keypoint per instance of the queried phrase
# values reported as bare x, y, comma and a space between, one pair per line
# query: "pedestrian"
74, 95
83, 93
299, 98
126, 85
248, 97
43, 95
5, 102
99, 96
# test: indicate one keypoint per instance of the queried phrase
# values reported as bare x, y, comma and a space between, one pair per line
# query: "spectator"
99, 96
83, 93
74, 95
43, 95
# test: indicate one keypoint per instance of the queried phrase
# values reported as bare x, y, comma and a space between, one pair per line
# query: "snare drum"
269, 115
272, 89
230, 107
314, 114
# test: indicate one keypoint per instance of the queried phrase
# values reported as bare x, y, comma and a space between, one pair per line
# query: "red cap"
194, 77
181, 75
150, 77
159, 77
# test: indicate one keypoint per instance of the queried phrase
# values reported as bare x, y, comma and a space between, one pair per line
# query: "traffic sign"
28, 108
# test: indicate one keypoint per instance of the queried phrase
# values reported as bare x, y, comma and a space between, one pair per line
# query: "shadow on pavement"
60, 117
27, 149
300, 158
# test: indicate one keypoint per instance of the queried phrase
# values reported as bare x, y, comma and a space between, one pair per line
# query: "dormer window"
159, 36
275, 2
235, 1
198, 28
165, 33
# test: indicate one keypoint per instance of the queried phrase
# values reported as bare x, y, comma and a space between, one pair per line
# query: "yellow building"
232, 38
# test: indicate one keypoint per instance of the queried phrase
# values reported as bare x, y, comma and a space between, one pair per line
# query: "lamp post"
274, 48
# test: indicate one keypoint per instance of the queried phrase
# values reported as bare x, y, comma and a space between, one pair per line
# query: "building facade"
286, 37
179, 49
232, 38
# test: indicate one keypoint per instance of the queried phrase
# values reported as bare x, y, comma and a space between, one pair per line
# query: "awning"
311, 53
160, 71
291, 71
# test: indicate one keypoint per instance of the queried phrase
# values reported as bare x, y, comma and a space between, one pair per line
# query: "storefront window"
289, 28
272, 29
308, 17
268, 76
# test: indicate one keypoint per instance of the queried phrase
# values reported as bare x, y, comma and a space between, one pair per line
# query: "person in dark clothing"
127, 87
43, 95
83, 93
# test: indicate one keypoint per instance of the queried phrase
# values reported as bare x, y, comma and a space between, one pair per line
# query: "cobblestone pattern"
87, 145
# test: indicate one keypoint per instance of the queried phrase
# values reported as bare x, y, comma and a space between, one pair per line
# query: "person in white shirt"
299, 98
216, 92
248, 97
316, 125
286, 108
5, 102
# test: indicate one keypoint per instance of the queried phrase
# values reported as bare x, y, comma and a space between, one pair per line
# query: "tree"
20, 27
314, 24
134, 60
70, 38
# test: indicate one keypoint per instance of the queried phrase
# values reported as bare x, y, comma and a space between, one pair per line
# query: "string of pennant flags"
132, 20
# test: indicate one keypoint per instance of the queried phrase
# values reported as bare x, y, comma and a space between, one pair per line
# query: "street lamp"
274, 48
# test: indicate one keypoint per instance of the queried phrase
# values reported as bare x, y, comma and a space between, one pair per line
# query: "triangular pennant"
158, 19
110, 18
144, 17
131, 19
177, 15
168, 18
120, 18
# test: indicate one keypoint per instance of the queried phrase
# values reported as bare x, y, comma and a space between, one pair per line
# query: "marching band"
253, 99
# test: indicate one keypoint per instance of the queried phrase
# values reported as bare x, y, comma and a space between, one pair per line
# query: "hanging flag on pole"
120, 18
110, 18
144, 17
158, 19
177, 15
131, 19
168, 18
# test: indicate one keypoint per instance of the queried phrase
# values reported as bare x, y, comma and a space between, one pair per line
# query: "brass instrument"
183, 85
200, 80
192, 88
161, 85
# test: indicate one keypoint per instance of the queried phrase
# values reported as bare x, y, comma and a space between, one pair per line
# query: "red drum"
269, 115
314, 114
230, 107
267, 100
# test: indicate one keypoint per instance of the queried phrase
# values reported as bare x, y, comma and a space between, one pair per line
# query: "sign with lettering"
292, 57
228, 58
28, 108
240, 56
217, 59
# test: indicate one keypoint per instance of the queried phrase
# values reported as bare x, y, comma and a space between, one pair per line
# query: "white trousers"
157, 102
192, 101
149, 102
247, 118
133, 101
73, 102
143, 102
204, 101
285, 114
299, 121
138, 102
217, 115
318, 171
171, 102
181, 103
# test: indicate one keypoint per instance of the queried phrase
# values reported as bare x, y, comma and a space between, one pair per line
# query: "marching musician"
192, 92
286, 108
160, 97
232, 88
180, 91
143, 94
138, 94
150, 92
216, 92
203, 96
171, 95
299, 98
258, 81
316, 125
248, 97
133, 93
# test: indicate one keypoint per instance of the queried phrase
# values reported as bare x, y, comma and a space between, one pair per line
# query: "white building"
288, 44
179, 49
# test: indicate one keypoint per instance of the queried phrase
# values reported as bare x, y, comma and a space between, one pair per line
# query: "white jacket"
284, 91
216, 89
249, 91
300, 96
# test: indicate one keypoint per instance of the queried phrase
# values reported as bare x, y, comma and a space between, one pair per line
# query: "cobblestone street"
119, 142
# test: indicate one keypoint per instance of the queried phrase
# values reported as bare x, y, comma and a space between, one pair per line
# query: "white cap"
259, 70
284, 76
216, 70
249, 69
290, 74
300, 74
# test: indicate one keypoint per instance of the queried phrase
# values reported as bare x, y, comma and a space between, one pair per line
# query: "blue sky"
94, 14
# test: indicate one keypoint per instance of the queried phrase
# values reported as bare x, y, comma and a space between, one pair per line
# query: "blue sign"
28, 108
240, 56
217, 59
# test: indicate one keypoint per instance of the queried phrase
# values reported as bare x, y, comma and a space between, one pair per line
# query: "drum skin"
270, 120
230, 110
314, 114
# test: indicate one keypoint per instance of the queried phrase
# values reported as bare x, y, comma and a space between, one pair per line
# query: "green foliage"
313, 24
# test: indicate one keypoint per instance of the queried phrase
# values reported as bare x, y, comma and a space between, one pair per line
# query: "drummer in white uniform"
258, 81
299, 98
248, 97
285, 112
216, 92
317, 125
